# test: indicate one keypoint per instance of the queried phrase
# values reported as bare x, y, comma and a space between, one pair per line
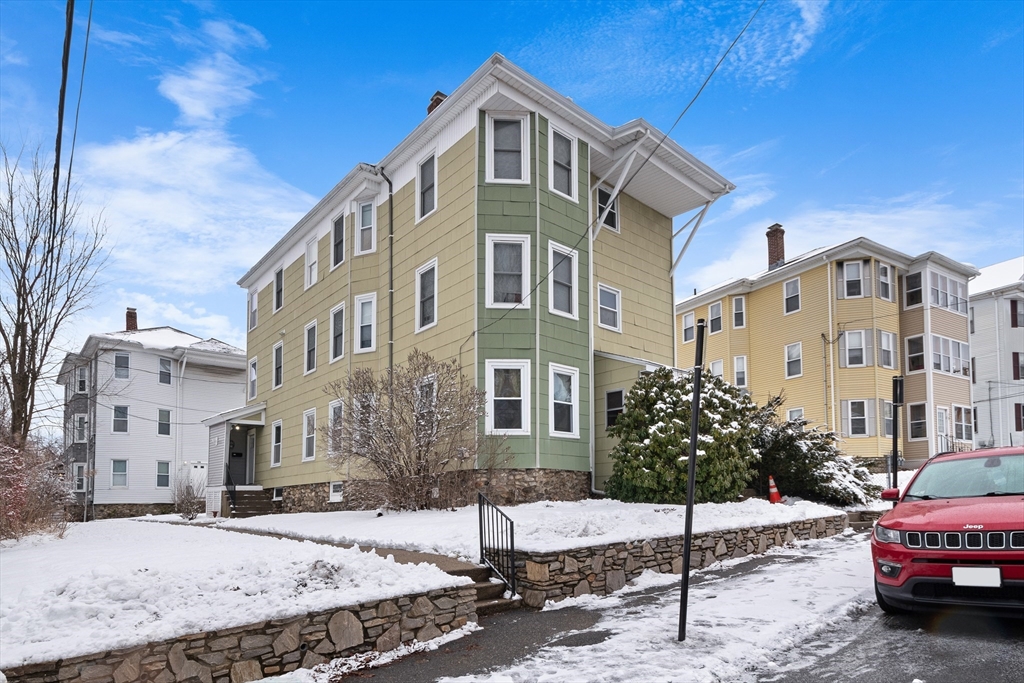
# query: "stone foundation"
73, 513
605, 569
269, 648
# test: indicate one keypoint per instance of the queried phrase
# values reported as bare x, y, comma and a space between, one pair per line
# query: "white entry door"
942, 429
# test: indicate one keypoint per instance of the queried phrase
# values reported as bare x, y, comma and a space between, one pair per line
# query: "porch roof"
254, 414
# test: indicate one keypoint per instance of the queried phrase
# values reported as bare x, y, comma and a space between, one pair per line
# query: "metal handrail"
497, 541
229, 484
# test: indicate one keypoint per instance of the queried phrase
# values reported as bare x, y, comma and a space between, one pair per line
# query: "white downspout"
536, 303
182, 364
831, 352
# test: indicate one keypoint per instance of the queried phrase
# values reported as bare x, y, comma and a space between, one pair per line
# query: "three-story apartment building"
500, 232
830, 328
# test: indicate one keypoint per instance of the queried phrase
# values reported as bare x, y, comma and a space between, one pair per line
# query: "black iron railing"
497, 541
229, 484
949, 444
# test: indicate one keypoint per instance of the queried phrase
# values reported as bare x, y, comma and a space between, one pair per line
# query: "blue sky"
208, 128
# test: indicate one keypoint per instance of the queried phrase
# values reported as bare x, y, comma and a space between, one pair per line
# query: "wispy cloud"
117, 38
210, 90
753, 191
9, 56
1001, 36
841, 160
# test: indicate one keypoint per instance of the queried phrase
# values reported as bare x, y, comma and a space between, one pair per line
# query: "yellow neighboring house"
830, 329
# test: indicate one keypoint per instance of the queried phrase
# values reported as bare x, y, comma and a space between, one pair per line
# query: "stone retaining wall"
604, 569
73, 512
251, 652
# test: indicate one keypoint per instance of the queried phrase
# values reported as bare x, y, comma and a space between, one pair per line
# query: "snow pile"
539, 527
118, 583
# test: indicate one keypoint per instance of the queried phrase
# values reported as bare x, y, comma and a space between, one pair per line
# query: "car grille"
964, 540
939, 591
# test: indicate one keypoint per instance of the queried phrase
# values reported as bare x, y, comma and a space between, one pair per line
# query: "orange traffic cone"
773, 492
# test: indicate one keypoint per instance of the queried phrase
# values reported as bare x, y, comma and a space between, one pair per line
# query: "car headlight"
886, 535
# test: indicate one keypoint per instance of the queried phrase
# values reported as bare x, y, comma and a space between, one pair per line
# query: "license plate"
986, 577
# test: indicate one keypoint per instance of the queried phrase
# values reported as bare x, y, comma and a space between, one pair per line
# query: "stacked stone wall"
605, 569
73, 512
254, 651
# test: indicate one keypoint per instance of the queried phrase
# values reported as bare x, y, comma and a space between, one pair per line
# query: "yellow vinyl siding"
609, 374
948, 324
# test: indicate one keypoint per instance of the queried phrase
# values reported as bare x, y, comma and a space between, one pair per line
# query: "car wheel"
885, 606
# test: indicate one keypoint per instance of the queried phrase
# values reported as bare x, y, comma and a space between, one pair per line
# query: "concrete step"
476, 572
486, 590
485, 607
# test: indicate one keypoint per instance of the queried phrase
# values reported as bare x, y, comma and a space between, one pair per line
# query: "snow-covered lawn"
117, 583
539, 527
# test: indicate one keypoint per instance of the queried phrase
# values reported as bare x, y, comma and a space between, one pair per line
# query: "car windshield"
982, 476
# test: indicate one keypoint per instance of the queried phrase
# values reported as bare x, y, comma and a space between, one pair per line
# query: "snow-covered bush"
32, 492
807, 462
652, 455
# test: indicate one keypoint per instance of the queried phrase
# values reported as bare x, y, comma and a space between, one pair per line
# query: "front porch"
231, 474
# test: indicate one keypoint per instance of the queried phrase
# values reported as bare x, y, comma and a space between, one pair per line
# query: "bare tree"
189, 496
412, 428
51, 261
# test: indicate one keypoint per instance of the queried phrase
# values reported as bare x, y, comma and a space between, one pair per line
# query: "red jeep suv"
956, 536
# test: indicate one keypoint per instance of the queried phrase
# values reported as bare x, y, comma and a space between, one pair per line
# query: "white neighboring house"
134, 405
996, 319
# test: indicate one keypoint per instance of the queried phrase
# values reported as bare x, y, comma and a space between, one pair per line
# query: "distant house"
997, 348
831, 327
133, 405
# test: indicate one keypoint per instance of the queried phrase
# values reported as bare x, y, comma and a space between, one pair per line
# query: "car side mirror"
891, 494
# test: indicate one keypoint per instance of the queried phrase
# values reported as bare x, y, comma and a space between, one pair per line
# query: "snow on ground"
117, 583
539, 527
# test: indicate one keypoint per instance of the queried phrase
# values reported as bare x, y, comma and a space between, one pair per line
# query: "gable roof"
1003, 275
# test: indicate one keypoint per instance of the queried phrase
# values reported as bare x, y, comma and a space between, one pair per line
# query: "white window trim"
789, 414
682, 332
721, 317
492, 238
863, 347
786, 360
925, 354
860, 264
357, 236
343, 216
79, 371
615, 209
711, 368
306, 370
305, 424
168, 463
331, 446
127, 367
170, 424
127, 470
618, 310
432, 152
884, 433
888, 280
274, 385
252, 378
78, 472
279, 445
746, 379
574, 373
926, 421
274, 495
344, 337
74, 428
372, 297
734, 300
306, 263
524, 367
556, 250
525, 130
253, 313
867, 416
964, 410
340, 496
128, 419
273, 284
574, 160
893, 343
923, 289
170, 371
799, 296
432, 263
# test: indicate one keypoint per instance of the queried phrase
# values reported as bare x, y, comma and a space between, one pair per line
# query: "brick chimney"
436, 101
776, 246
131, 320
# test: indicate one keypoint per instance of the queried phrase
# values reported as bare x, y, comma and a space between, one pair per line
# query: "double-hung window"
792, 296
163, 474
366, 322
852, 277
252, 379
366, 241
794, 360
508, 271
338, 332
309, 353
508, 150
120, 421
915, 353
121, 366
715, 317
562, 155
163, 422
914, 294
278, 289
309, 435
887, 418
564, 297
855, 356
739, 312
426, 181
689, 331
613, 405
338, 241
508, 395
78, 473
79, 427
887, 349
276, 430
739, 367
119, 474
311, 263
717, 368
963, 426
611, 219
885, 281
857, 418
335, 424
564, 408
918, 418
165, 371
426, 296
81, 379
608, 302
1016, 314
254, 298
278, 364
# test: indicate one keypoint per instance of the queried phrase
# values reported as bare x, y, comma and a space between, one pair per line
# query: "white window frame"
331, 408
336, 496
340, 308
357, 249
883, 338
618, 307
742, 300
720, 318
965, 412
114, 419
277, 493
357, 332
254, 309
252, 388
911, 422
274, 384
278, 304
419, 185
866, 417
847, 279
925, 359
168, 475
491, 240
432, 263
887, 279
717, 368
799, 297
614, 212
862, 347
556, 250
276, 442
335, 222
80, 432
524, 367
790, 414
800, 358
887, 421
525, 147
738, 361
125, 473
160, 371
127, 367
308, 448
574, 387
311, 263
312, 325
82, 379
169, 423
691, 326
573, 160
907, 290
78, 475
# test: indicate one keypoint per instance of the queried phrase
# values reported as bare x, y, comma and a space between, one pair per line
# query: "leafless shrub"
189, 497
32, 489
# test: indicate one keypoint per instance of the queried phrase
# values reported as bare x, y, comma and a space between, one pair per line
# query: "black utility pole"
691, 475
897, 403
